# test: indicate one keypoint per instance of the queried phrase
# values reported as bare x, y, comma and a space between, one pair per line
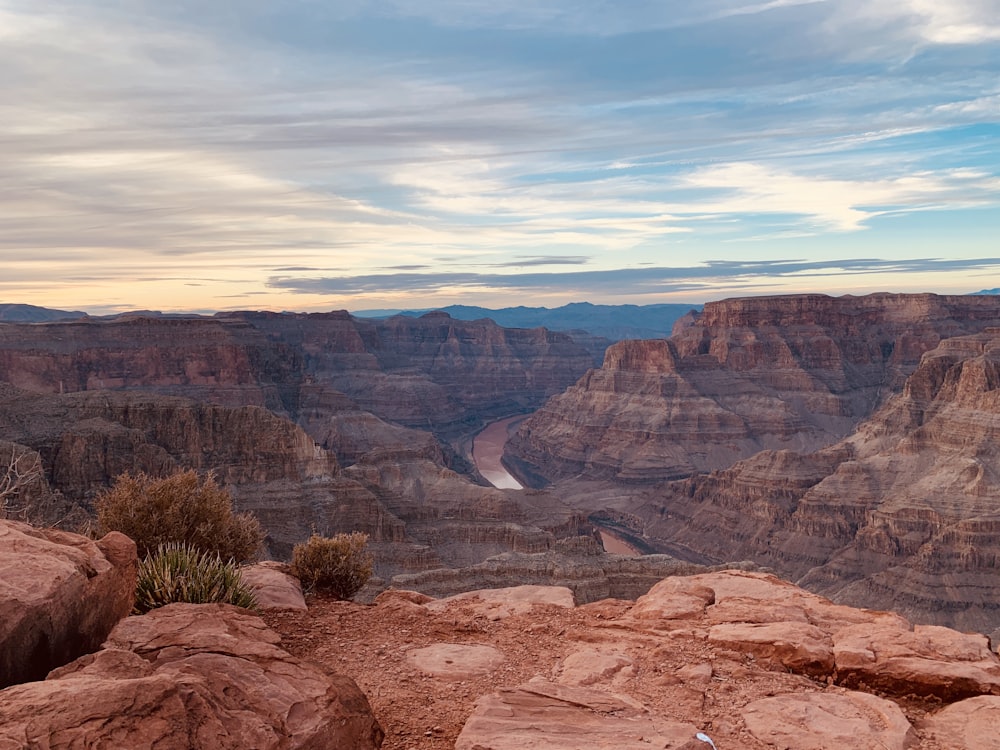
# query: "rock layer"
794, 372
187, 677
60, 596
905, 511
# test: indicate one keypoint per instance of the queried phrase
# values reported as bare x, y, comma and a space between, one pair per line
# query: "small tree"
340, 565
181, 508
18, 469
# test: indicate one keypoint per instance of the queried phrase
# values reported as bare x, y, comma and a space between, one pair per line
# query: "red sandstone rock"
187, 677
60, 596
274, 586
455, 661
496, 604
542, 715
972, 724
927, 660
829, 721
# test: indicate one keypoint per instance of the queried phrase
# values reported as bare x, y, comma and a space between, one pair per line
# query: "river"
487, 452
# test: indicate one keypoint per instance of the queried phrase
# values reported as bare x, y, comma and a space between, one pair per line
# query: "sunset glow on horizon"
309, 156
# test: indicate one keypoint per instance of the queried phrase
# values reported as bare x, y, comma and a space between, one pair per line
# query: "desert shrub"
340, 565
179, 573
181, 508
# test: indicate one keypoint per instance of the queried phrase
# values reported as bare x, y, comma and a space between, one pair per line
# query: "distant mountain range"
990, 291
11, 313
614, 322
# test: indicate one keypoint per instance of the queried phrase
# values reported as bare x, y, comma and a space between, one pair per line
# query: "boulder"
543, 715
60, 596
927, 660
972, 724
187, 677
828, 721
797, 646
274, 586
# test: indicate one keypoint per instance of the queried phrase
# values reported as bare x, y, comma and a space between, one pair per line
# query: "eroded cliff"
793, 372
905, 512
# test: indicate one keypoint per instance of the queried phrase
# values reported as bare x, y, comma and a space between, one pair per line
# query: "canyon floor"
677, 676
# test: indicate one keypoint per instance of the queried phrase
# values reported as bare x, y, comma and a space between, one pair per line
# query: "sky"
346, 154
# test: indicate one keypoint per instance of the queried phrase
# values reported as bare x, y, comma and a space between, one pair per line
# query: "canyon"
845, 443
848, 444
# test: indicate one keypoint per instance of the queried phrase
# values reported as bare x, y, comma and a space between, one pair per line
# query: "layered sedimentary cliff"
905, 512
431, 372
745, 375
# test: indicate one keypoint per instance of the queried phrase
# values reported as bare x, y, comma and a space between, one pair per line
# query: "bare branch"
22, 468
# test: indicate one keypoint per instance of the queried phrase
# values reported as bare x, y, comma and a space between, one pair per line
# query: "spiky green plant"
179, 573
340, 565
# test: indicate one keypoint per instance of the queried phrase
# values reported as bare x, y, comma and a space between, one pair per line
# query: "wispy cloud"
629, 281
233, 145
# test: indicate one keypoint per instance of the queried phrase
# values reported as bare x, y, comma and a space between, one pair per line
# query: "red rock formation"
904, 513
188, 677
60, 596
794, 372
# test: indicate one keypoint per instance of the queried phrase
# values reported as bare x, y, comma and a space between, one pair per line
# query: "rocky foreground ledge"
739, 657
744, 658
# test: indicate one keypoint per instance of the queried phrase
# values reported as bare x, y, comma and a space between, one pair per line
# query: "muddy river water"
487, 452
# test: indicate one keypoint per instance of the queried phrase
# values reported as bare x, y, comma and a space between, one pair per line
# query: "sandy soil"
369, 643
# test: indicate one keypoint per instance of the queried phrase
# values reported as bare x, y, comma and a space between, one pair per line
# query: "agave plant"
179, 573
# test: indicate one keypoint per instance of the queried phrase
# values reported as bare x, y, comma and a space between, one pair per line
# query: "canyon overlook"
845, 443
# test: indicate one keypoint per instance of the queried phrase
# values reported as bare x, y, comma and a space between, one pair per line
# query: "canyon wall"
744, 375
276, 405
431, 372
903, 513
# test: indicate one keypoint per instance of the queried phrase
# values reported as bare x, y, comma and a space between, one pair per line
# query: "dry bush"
178, 573
340, 565
181, 508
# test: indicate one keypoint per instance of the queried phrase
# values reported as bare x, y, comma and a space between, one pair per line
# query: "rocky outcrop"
429, 372
274, 586
902, 513
543, 714
60, 596
794, 372
734, 658
186, 677
776, 625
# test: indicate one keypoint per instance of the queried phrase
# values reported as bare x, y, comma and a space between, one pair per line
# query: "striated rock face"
792, 372
275, 405
186, 677
576, 563
903, 513
60, 596
433, 371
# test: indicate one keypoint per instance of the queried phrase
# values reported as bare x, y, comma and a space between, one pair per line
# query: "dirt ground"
369, 643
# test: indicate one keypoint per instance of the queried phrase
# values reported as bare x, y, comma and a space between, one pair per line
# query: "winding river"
487, 452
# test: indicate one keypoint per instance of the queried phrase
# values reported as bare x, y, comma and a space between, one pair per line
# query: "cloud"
544, 260
625, 281
249, 142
